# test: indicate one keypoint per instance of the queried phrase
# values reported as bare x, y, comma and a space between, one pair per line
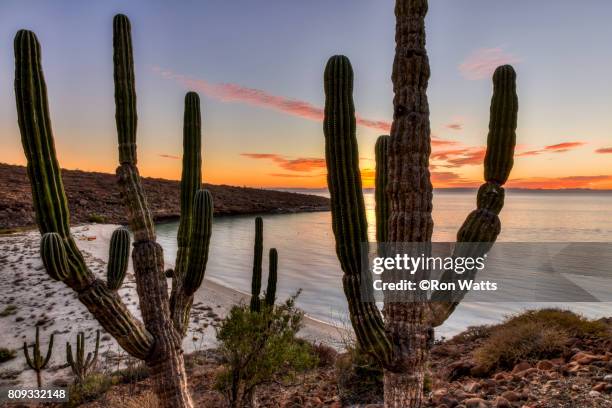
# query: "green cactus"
348, 212
349, 222
200, 241
272, 277
81, 366
54, 256
156, 339
193, 237
257, 261
36, 362
118, 258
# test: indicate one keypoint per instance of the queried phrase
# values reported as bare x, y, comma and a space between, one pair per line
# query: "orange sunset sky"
262, 91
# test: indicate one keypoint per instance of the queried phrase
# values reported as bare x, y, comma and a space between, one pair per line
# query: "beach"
33, 298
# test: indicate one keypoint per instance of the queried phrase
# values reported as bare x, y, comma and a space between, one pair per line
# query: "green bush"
96, 218
8, 310
93, 386
512, 344
258, 347
6, 354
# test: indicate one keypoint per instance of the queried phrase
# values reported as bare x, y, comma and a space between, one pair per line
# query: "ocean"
307, 258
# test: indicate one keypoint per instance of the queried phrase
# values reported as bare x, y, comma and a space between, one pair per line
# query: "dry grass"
148, 399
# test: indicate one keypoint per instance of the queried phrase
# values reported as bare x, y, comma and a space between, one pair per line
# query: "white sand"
37, 298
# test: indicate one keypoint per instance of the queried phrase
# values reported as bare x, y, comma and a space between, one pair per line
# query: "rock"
501, 402
479, 371
511, 396
594, 394
608, 378
600, 387
521, 367
545, 365
475, 403
471, 387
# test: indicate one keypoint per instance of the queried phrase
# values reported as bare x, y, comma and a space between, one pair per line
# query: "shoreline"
38, 300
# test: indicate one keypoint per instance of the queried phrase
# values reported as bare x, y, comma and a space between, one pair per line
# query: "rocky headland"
95, 197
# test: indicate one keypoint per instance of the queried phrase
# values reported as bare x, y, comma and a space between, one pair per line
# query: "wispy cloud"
555, 148
169, 156
454, 126
301, 164
604, 150
594, 182
229, 92
482, 62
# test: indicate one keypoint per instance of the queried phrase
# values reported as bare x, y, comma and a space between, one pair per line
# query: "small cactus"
118, 258
81, 366
36, 362
272, 277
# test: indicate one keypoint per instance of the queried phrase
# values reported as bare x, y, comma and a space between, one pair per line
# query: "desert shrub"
258, 347
574, 324
326, 355
6, 354
147, 399
8, 310
133, 373
472, 333
96, 218
93, 386
527, 340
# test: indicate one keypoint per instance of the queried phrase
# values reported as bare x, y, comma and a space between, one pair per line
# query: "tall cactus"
37, 362
118, 256
257, 260
272, 277
82, 366
157, 339
403, 210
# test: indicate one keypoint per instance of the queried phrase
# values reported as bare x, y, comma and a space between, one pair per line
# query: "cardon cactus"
81, 366
270, 294
36, 361
272, 277
157, 339
118, 257
403, 205
257, 261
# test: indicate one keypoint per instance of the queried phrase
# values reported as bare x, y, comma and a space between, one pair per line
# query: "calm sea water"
307, 259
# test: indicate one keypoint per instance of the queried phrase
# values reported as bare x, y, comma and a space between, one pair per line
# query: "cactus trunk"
272, 277
257, 269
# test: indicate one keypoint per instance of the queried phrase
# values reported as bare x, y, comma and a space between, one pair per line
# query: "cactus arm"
69, 357
257, 269
191, 179
49, 351
272, 277
382, 202
200, 241
126, 116
118, 257
193, 235
50, 202
95, 357
348, 210
29, 360
482, 226
54, 256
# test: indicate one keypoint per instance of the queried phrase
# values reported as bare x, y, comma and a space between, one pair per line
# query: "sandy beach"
33, 298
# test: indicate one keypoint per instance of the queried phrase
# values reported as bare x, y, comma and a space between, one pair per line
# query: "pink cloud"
301, 164
481, 63
555, 148
228, 92
169, 156
604, 150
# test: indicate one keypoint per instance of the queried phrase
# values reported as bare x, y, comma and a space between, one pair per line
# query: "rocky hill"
94, 197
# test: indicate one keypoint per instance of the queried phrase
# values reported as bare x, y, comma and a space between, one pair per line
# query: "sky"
258, 67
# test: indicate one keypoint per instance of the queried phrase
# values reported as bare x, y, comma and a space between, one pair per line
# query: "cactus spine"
272, 277
156, 339
81, 366
36, 362
257, 261
118, 257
